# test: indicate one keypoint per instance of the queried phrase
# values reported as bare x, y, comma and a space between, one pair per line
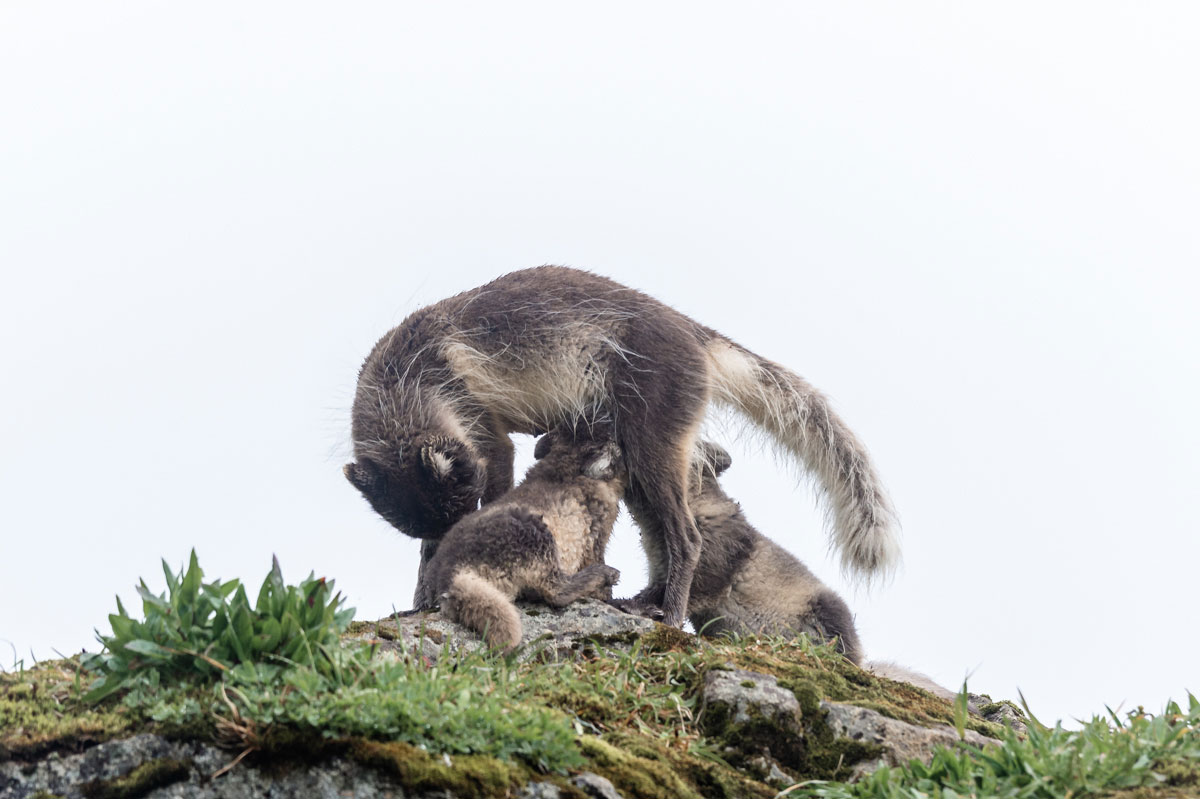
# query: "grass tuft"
1138, 755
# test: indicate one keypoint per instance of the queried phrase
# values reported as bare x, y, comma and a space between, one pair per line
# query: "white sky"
976, 228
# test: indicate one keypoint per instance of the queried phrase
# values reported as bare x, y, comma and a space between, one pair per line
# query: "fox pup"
543, 540
438, 396
745, 582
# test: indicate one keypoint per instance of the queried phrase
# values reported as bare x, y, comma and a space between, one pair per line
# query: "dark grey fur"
544, 540
439, 394
745, 582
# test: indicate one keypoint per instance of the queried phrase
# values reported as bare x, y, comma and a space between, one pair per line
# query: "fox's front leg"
497, 448
423, 597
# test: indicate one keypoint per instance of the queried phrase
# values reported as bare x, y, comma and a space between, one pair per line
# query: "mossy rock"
634, 708
466, 776
141, 781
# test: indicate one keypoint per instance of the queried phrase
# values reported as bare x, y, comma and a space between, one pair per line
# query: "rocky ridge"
775, 725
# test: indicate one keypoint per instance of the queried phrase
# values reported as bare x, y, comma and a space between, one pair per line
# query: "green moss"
635, 776
1178, 772
816, 674
1155, 792
752, 737
667, 639
589, 708
372, 628
139, 782
709, 776
808, 748
820, 673
40, 713
419, 771
829, 757
993, 707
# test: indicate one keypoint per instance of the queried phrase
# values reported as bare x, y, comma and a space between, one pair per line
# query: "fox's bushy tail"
801, 421
476, 603
894, 671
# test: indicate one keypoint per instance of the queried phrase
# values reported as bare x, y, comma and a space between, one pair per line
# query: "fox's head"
713, 457
427, 487
587, 449
709, 460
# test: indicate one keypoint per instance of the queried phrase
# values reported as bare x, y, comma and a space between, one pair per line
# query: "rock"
746, 695
754, 713
770, 772
152, 766
540, 790
1006, 715
565, 633
900, 740
776, 777
596, 786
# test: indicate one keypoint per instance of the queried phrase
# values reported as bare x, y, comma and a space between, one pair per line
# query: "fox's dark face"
429, 489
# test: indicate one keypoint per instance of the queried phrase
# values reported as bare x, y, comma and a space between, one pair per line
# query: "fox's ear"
715, 456
363, 476
606, 463
543, 445
438, 455
449, 462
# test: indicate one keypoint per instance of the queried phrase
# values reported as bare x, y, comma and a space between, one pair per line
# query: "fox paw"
611, 575
636, 607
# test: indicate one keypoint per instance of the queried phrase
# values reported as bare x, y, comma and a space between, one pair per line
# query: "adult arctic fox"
439, 394
543, 540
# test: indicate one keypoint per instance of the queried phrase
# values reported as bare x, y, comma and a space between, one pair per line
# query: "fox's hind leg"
561, 590
832, 617
661, 397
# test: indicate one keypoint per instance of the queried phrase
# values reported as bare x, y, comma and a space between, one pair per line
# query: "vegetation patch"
634, 774
203, 657
710, 775
667, 639
39, 713
197, 630
468, 776
1140, 756
272, 680
139, 782
820, 673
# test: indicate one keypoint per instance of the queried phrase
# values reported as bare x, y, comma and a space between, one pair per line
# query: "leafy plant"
198, 630
254, 674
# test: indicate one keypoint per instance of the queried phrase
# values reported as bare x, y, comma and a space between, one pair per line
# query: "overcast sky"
974, 227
